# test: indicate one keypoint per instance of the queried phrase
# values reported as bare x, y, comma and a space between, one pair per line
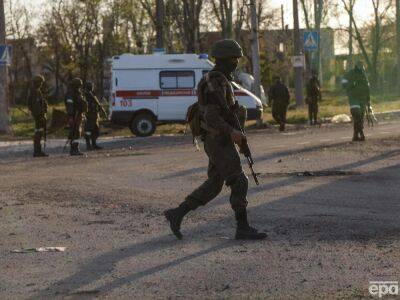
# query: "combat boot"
94, 144
89, 146
244, 231
355, 137
175, 216
75, 149
40, 154
282, 127
362, 136
37, 147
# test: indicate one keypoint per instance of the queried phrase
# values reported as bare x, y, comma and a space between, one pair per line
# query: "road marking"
344, 138
384, 132
326, 140
303, 143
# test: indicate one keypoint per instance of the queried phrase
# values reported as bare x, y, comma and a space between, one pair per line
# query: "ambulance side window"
177, 79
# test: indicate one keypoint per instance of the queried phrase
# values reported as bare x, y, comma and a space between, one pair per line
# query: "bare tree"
223, 10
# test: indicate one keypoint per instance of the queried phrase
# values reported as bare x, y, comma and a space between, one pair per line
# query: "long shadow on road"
356, 208
259, 158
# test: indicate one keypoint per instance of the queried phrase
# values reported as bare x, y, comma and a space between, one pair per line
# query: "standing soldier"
313, 96
92, 128
76, 107
357, 88
217, 106
279, 98
37, 105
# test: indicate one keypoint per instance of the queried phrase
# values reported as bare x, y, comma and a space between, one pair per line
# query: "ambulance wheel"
143, 125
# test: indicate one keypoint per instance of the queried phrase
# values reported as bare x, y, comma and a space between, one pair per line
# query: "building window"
177, 79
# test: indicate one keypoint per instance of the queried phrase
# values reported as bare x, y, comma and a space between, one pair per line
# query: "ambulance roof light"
203, 56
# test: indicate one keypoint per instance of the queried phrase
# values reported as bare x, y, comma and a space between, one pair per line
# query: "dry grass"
331, 105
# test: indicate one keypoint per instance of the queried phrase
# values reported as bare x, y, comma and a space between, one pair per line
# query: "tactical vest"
195, 114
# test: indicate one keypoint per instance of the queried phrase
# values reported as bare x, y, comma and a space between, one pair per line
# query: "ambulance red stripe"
154, 94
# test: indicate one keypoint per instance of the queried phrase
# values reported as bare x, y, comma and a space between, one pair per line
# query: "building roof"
160, 61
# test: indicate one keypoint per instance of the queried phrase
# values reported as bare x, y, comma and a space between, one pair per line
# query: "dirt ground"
330, 233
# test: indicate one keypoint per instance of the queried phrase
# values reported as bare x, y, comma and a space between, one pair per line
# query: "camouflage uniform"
76, 106
37, 105
357, 88
217, 105
279, 98
92, 127
313, 96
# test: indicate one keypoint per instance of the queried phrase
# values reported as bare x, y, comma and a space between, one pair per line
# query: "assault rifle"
245, 149
99, 104
45, 134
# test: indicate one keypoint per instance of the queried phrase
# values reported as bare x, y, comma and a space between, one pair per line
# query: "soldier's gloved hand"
237, 137
71, 121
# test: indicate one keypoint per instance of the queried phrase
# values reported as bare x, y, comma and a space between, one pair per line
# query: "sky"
363, 10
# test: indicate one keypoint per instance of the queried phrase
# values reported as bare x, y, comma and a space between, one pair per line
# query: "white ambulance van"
147, 90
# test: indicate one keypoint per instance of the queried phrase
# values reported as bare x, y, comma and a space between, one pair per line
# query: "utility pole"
160, 23
398, 42
255, 51
298, 70
5, 126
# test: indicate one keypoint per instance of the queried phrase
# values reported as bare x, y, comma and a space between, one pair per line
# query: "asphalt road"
330, 233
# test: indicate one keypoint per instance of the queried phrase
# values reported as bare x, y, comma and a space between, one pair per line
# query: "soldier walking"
37, 105
313, 96
76, 106
92, 127
279, 98
358, 91
217, 105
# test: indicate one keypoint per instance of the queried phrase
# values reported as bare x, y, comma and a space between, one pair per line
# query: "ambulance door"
136, 90
177, 94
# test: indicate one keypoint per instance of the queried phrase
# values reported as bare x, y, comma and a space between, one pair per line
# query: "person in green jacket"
37, 105
356, 84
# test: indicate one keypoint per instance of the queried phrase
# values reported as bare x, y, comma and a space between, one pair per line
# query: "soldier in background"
37, 105
217, 106
358, 91
92, 127
279, 98
76, 106
313, 96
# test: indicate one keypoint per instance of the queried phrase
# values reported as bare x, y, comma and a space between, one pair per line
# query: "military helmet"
38, 80
226, 49
76, 82
89, 86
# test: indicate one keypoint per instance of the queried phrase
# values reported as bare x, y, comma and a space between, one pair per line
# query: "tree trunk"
349, 65
398, 43
160, 23
255, 50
